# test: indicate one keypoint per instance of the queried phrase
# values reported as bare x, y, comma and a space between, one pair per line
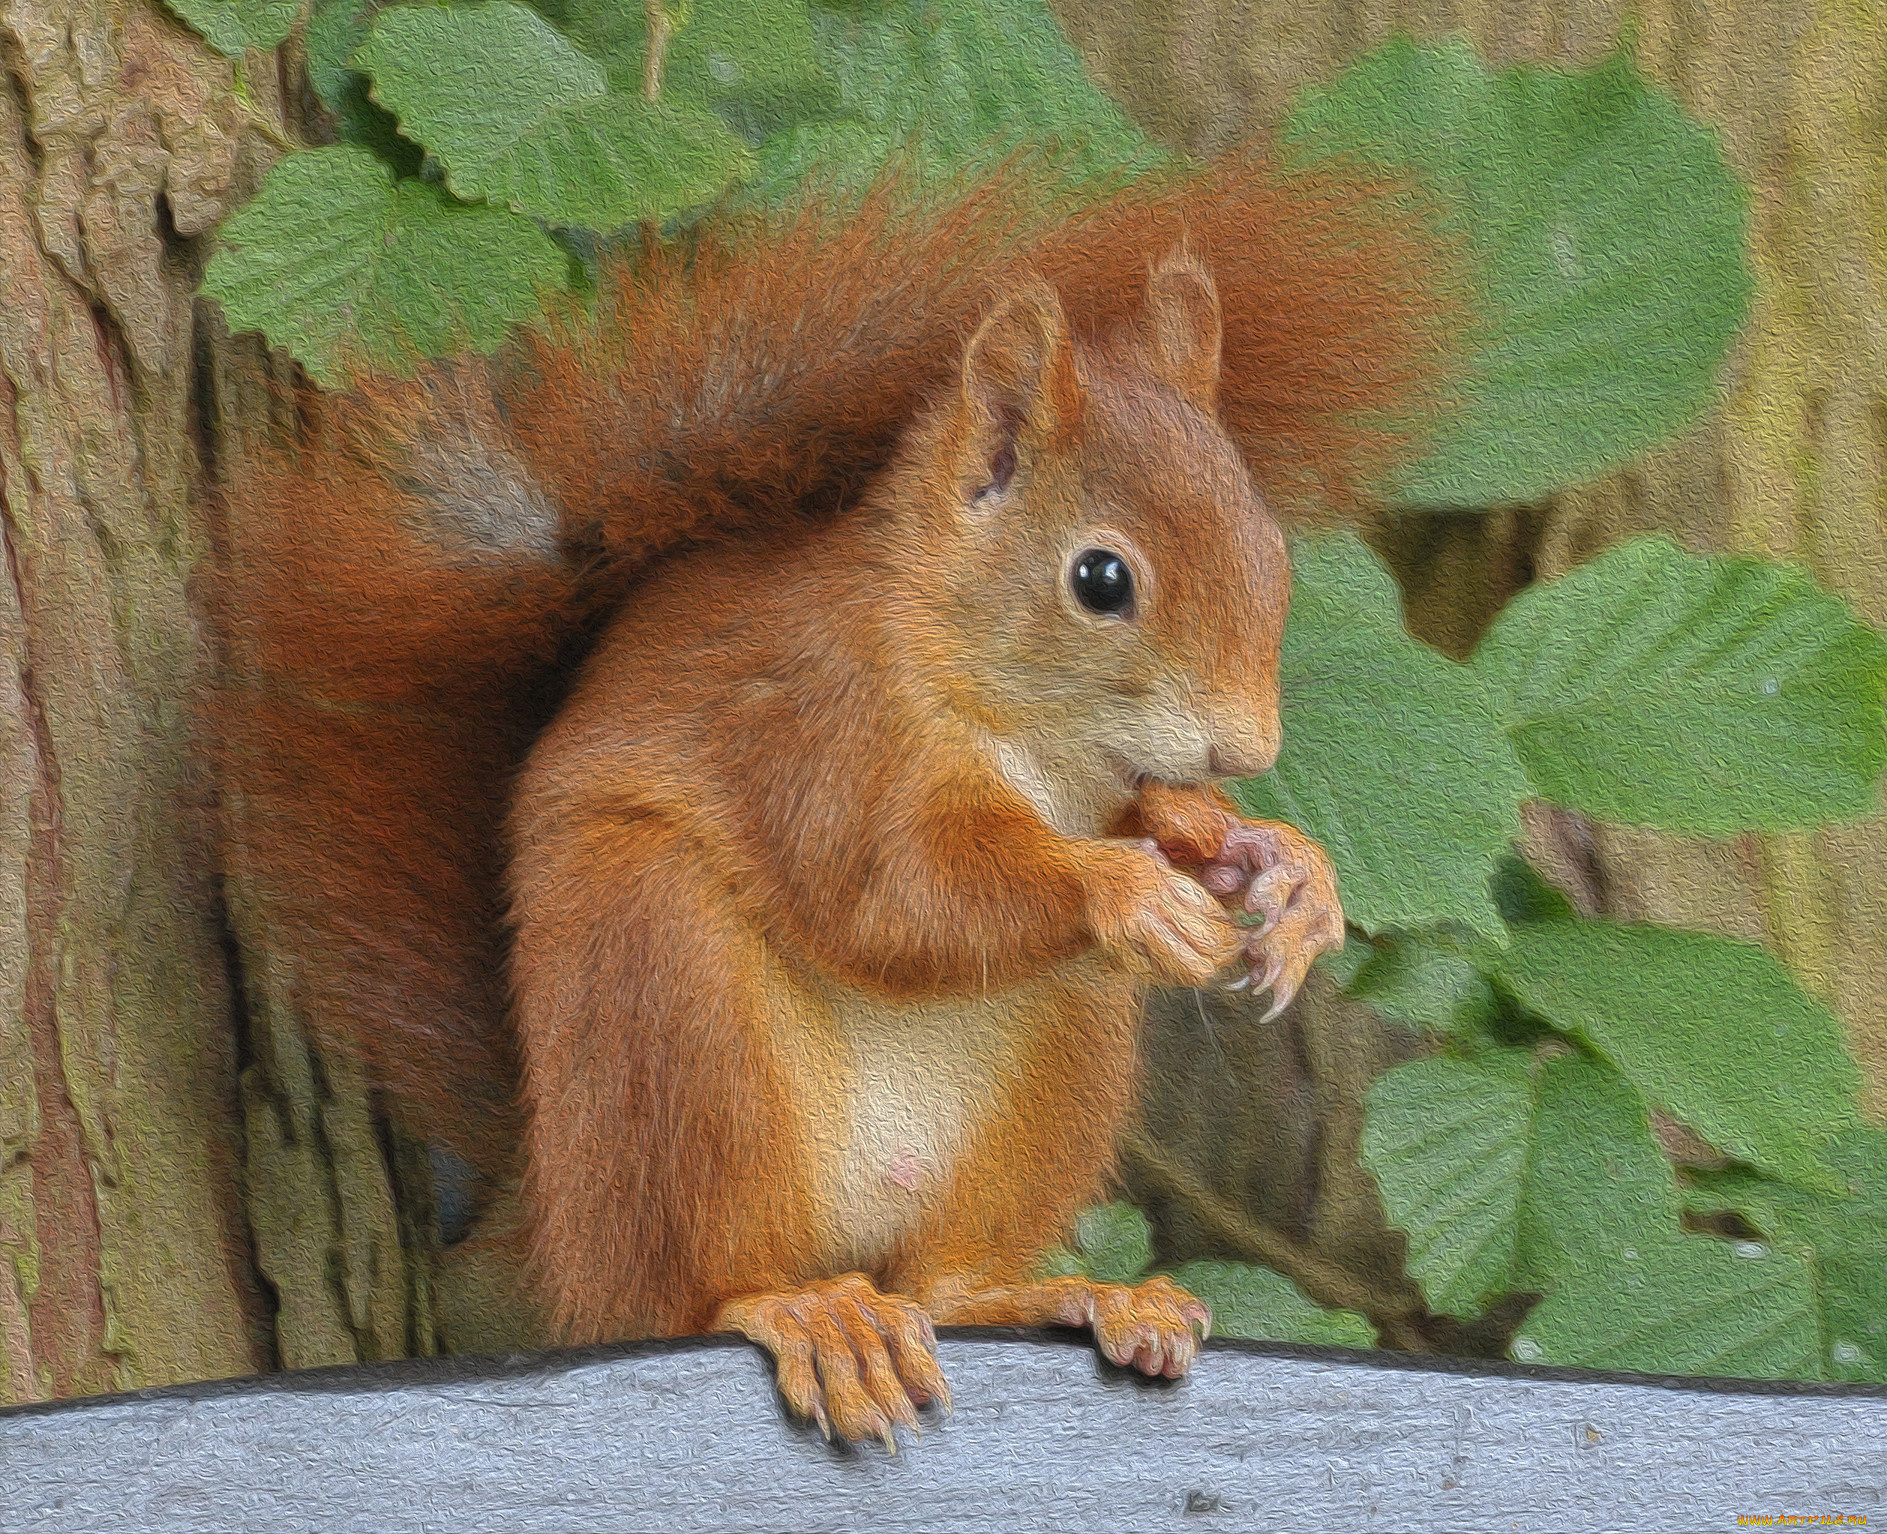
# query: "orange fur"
825, 963
839, 813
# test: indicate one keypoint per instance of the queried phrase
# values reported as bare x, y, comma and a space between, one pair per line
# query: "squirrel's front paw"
855, 1361
1281, 873
1162, 922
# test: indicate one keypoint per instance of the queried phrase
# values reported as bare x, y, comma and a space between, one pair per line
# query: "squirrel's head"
1116, 588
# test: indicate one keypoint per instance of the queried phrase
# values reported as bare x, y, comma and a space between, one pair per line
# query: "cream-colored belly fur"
892, 1096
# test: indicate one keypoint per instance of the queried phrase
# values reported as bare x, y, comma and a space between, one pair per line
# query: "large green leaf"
1714, 1031
1607, 233
518, 116
1598, 1186
233, 26
1114, 1245
1686, 1305
1709, 695
1506, 1176
1426, 979
1392, 756
338, 263
944, 85
1115, 1241
755, 60
335, 29
1447, 1142
1843, 1239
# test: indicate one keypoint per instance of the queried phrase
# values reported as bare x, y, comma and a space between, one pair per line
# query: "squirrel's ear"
1182, 328
1019, 385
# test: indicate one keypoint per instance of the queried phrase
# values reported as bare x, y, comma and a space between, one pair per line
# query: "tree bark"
125, 1257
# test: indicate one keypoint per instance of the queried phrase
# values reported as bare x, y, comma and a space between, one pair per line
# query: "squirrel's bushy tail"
399, 594
756, 368
391, 607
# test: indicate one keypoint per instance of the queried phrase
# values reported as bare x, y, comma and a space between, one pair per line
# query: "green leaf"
1708, 695
471, 81
1392, 756
756, 57
1343, 964
1846, 1242
233, 26
1252, 1301
1115, 1246
1713, 1031
519, 117
947, 85
1447, 1141
1599, 1190
1507, 1178
759, 52
1115, 1242
335, 29
1842, 1239
338, 263
1424, 980
1689, 1305
1607, 233
614, 160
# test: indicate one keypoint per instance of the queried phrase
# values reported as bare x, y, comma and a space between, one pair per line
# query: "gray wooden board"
682, 1437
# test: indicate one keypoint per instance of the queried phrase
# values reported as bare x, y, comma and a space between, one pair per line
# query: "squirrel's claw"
1274, 869
1197, 1313
1282, 995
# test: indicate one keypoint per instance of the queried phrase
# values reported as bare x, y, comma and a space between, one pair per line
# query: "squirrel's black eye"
1102, 582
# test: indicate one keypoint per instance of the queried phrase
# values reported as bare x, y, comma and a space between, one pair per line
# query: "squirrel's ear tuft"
1019, 385
1182, 328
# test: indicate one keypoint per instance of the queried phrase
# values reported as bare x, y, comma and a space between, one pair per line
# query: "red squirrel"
834, 881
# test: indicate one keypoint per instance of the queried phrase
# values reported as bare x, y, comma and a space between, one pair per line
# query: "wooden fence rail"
680, 1437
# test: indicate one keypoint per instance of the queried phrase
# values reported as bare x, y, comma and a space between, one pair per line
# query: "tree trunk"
125, 1258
